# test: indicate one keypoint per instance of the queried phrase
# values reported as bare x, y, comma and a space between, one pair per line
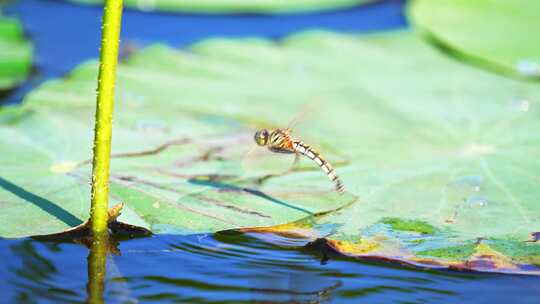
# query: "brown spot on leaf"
486, 258
358, 247
294, 230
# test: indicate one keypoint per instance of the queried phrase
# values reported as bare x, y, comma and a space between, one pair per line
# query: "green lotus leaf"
496, 34
441, 155
15, 53
235, 6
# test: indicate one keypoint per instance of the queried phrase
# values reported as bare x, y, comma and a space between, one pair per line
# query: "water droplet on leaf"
476, 201
468, 182
521, 104
528, 67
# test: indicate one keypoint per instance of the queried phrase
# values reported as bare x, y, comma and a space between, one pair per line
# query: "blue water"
220, 268
235, 268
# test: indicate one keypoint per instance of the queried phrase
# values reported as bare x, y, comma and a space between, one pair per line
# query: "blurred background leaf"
15, 53
235, 6
496, 34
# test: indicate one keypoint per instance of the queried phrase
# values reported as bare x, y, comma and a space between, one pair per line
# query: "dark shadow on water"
43, 203
258, 193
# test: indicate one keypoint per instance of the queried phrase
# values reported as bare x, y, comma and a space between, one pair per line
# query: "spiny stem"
112, 16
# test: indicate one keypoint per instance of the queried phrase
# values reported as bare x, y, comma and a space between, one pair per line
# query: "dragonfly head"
261, 137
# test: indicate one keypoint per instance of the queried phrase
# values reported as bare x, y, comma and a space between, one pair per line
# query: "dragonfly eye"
261, 137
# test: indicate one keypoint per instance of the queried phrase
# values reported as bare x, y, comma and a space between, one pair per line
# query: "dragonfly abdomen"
306, 150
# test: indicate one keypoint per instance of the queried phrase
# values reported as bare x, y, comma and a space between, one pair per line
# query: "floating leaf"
15, 53
497, 34
426, 140
235, 6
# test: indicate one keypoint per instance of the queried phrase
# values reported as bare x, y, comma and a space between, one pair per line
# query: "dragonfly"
282, 141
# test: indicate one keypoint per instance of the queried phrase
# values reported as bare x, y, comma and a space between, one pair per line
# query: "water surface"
238, 268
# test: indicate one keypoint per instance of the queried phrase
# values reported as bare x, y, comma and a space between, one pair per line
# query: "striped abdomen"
306, 150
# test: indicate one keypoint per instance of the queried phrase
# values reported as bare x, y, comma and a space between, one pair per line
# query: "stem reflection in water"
97, 260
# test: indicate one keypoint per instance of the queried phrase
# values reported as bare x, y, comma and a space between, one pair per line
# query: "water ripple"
238, 268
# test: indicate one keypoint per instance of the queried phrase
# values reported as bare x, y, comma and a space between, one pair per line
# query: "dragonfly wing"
259, 162
307, 111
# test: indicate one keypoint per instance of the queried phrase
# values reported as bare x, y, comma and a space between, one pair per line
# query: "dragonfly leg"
295, 162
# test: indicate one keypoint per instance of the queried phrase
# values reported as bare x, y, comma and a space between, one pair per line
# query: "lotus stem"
111, 22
